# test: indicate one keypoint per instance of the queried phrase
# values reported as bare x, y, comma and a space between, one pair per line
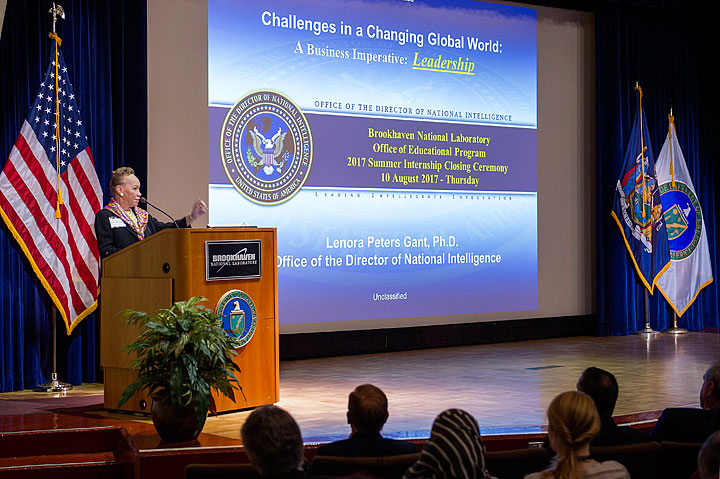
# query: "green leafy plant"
183, 353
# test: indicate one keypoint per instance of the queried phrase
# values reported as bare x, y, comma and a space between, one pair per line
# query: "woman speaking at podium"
121, 223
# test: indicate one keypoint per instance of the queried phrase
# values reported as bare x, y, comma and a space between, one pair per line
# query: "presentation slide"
392, 143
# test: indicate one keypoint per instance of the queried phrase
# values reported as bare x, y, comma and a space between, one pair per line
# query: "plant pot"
174, 423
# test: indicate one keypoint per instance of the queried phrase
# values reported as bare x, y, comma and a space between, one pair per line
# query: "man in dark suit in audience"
367, 413
691, 424
273, 443
602, 387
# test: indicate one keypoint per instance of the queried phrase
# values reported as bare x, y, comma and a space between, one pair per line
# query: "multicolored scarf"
454, 450
137, 221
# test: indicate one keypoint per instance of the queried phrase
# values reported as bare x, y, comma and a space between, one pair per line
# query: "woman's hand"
199, 209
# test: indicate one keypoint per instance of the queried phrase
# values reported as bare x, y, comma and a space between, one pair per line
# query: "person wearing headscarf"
121, 223
573, 421
453, 451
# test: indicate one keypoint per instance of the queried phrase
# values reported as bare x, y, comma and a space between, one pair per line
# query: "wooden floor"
505, 386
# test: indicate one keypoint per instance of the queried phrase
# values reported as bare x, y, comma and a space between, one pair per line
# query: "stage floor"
506, 386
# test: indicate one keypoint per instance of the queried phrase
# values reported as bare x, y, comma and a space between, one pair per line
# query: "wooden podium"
169, 266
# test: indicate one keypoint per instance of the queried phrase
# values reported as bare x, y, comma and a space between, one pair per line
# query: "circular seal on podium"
237, 311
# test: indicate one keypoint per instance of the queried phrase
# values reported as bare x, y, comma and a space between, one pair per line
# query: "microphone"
144, 200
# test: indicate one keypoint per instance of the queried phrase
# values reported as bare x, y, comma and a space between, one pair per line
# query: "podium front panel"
169, 266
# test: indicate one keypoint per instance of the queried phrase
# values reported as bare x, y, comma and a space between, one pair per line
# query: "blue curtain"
104, 44
668, 51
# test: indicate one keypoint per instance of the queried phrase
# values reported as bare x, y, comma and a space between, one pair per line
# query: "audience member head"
709, 457
572, 423
454, 450
710, 390
272, 441
602, 387
367, 409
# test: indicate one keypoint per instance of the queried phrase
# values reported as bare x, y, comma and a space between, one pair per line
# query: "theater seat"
388, 467
221, 471
678, 459
641, 460
517, 463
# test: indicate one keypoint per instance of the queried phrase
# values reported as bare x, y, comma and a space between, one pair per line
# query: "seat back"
678, 459
641, 460
387, 467
517, 463
221, 471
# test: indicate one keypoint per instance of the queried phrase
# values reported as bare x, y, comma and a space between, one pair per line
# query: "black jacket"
613, 435
366, 444
681, 424
112, 239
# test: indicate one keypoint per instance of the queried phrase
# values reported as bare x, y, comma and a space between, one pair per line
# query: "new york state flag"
637, 208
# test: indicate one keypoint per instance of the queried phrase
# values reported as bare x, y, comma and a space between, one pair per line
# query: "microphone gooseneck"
144, 200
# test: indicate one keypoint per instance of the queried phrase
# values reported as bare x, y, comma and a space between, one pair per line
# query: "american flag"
62, 251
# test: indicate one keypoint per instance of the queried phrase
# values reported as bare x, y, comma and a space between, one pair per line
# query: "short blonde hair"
117, 177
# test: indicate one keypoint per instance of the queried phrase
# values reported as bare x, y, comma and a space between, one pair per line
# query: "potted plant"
182, 353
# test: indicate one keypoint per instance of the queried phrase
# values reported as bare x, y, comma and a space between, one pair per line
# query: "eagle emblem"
268, 152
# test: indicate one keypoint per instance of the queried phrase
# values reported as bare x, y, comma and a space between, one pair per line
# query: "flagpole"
54, 385
647, 329
642, 148
674, 329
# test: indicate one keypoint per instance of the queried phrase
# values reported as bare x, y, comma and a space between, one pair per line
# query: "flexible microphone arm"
144, 200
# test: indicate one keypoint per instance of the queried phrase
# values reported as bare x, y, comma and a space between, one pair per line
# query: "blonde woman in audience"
454, 450
572, 423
